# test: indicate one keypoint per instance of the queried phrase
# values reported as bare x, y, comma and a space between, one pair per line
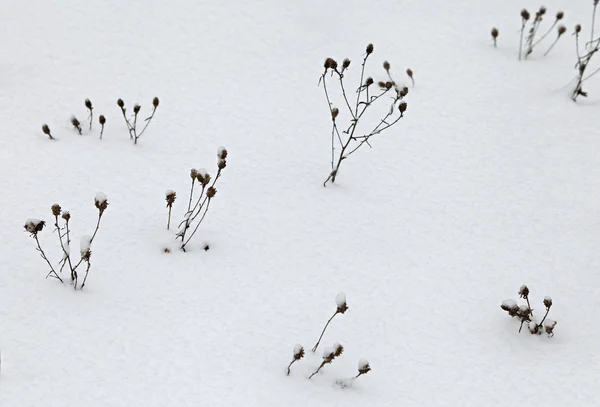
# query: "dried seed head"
547, 302
403, 92
55, 209
222, 152
66, 216
46, 129
549, 325
298, 352
170, 197
369, 49
136, 108
34, 226
327, 63
102, 120
388, 85
363, 366
338, 349
328, 355
409, 72
577, 28
402, 107
510, 306
206, 247
340, 301
369, 81
561, 30
193, 173
345, 64
155, 102
222, 163
560, 15
541, 11
494, 33
524, 291
386, 65
203, 178
120, 103
86, 255
166, 250
101, 202
88, 104
381, 84
524, 311
211, 192
334, 113
75, 122
525, 14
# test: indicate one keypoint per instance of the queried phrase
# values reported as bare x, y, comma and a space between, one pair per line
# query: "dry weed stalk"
531, 41
525, 314
132, 124
583, 61
170, 197
34, 226
202, 202
298, 354
46, 131
329, 354
341, 308
102, 121
364, 100
88, 106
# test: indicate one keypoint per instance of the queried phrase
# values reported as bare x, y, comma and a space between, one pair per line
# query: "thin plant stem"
52, 271
314, 349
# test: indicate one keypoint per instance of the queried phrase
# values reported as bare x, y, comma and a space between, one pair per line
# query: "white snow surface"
490, 181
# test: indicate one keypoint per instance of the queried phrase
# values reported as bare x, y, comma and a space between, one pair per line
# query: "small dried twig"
298, 354
46, 131
102, 121
363, 102
34, 226
88, 105
170, 197
132, 127
342, 307
524, 18
329, 354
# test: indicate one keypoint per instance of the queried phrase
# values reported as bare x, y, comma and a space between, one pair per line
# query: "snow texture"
509, 304
492, 179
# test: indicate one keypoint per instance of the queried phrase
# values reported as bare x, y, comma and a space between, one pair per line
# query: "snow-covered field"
492, 180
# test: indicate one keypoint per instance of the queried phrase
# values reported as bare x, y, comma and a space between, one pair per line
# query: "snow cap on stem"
101, 202
298, 352
340, 300
363, 366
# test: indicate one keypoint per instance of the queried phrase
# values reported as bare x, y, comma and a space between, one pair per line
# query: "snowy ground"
492, 180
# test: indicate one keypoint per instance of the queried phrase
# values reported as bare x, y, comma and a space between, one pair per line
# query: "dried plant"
530, 40
352, 140
341, 308
170, 198
525, 314
584, 59
329, 354
132, 123
197, 212
409, 72
46, 131
76, 124
102, 121
298, 354
363, 367
34, 226
88, 106
495, 33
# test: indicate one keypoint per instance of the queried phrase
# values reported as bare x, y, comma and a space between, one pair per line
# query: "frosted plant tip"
547, 302
298, 352
523, 291
222, 152
101, 201
340, 301
363, 366
328, 353
338, 349
34, 225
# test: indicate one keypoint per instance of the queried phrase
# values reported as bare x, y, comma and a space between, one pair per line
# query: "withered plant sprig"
170, 197
525, 314
132, 124
364, 100
329, 354
583, 61
341, 308
202, 202
298, 354
34, 226
46, 131
88, 106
